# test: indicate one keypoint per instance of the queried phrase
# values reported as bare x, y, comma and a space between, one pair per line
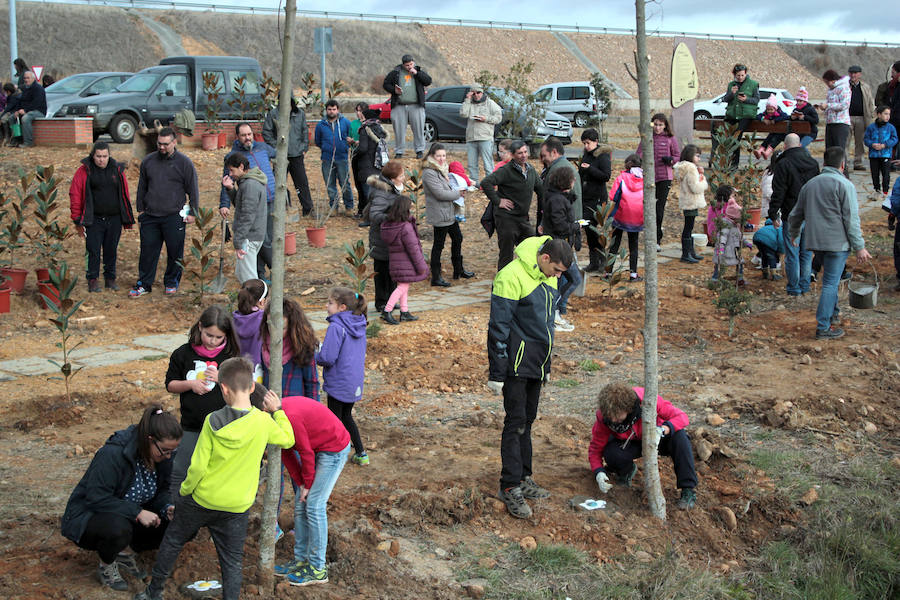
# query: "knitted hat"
456, 168
733, 210
772, 101
802, 94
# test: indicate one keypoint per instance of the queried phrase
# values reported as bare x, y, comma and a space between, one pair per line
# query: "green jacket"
749, 108
224, 471
520, 330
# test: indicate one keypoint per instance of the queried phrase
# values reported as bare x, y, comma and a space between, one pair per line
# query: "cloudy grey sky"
877, 21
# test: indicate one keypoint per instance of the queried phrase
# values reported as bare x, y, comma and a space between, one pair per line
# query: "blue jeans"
334, 172
797, 262
27, 127
480, 150
570, 280
806, 140
832, 266
310, 517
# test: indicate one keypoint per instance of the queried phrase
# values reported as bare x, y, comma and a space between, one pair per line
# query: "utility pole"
13, 41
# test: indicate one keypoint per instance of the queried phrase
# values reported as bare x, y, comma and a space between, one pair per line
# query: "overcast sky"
873, 21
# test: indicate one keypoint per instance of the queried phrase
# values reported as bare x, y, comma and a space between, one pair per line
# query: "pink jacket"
630, 214
665, 154
666, 414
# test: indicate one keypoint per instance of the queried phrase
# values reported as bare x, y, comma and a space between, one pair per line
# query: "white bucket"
700, 241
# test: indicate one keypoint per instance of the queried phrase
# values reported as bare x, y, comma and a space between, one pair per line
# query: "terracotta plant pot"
223, 139
42, 274
49, 294
209, 141
4, 299
316, 236
290, 243
755, 214
15, 278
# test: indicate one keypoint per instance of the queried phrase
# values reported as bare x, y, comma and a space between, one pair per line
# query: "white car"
715, 108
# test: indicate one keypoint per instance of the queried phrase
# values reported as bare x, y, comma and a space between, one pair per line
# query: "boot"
460, 271
686, 257
594, 261
436, 279
765, 272
407, 316
389, 318
693, 250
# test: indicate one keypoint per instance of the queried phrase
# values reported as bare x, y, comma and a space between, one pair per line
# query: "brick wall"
74, 131
225, 126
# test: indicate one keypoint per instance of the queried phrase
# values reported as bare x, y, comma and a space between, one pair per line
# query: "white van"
573, 99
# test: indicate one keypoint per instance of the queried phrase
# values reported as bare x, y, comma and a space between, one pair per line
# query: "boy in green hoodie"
247, 189
223, 478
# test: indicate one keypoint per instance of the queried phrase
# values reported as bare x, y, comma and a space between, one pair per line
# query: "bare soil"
433, 430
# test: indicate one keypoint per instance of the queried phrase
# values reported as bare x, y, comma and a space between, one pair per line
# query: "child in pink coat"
627, 194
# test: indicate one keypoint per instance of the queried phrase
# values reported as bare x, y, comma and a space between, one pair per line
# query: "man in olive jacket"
519, 345
482, 115
406, 84
510, 189
742, 97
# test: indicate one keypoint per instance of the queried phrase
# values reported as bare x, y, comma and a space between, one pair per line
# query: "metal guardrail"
316, 14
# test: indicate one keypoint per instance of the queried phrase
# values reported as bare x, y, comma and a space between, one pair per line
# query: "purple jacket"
248, 333
665, 154
343, 356
406, 260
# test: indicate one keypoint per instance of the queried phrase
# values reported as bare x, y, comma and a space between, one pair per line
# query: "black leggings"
881, 169
109, 534
344, 412
662, 193
632, 247
688, 226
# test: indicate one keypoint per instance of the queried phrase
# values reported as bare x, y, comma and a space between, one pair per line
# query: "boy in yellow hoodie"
223, 478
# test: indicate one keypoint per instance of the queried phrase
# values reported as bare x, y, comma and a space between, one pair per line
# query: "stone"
715, 420
383, 546
616, 359
689, 290
78, 450
486, 562
527, 543
643, 557
809, 497
727, 451
704, 450
475, 587
805, 359
394, 549
869, 427
497, 505
728, 518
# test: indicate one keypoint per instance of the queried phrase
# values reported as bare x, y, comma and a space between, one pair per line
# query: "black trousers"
264, 256
102, 235
837, 134
677, 445
384, 285
510, 232
881, 174
688, 229
297, 170
359, 182
632, 247
344, 412
155, 231
440, 236
520, 401
109, 534
662, 194
767, 255
897, 251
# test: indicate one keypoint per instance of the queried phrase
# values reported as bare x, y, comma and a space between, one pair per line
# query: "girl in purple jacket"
405, 257
665, 155
342, 356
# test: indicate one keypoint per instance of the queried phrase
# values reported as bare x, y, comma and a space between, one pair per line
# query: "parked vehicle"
82, 85
442, 120
715, 108
385, 108
157, 93
575, 100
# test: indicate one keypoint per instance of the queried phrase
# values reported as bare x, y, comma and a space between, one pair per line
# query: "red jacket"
81, 205
666, 414
316, 429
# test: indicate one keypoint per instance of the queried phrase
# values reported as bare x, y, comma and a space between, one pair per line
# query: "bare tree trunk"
273, 475
652, 484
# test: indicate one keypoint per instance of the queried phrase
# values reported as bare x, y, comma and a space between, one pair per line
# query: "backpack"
381, 151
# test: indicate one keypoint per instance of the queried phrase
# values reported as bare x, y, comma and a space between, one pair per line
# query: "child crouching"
616, 440
769, 242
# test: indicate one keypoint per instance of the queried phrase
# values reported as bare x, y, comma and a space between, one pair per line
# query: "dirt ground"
433, 430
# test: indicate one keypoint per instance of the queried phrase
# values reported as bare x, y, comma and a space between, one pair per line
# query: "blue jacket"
332, 138
884, 134
769, 236
343, 356
895, 199
260, 155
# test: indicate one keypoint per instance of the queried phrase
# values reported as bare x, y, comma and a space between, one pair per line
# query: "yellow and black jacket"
520, 331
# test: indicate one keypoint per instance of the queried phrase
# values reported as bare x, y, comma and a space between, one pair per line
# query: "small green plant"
744, 178
567, 383
590, 365
10, 228
613, 264
49, 238
213, 90
64, 310
356, 266
734, 300
413, 185
603, 92
240, 104
199, 260
311, 98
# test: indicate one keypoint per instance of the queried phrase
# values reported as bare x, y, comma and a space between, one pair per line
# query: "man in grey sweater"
247, 190
827, 205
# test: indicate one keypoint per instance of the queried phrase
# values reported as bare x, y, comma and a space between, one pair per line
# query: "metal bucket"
862, 294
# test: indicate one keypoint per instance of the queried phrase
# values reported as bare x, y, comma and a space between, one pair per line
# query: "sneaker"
128, 564
170, 291
279, 532
832, 333
361, 459
561, 323
688, 499
93, 285
757, 262
295, 566
420, 155
309, 576
533, 491
626, 479
110, 577
658, 248
137, 291
515, 502
147, 595
635, 278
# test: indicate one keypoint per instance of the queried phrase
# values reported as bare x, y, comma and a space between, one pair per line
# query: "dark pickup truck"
157, 93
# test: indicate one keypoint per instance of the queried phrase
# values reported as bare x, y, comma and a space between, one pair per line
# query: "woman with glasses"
122, 504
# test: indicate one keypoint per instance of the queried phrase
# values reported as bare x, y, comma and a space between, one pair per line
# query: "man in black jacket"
793, 169
32, 105
167, 200
406, 84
